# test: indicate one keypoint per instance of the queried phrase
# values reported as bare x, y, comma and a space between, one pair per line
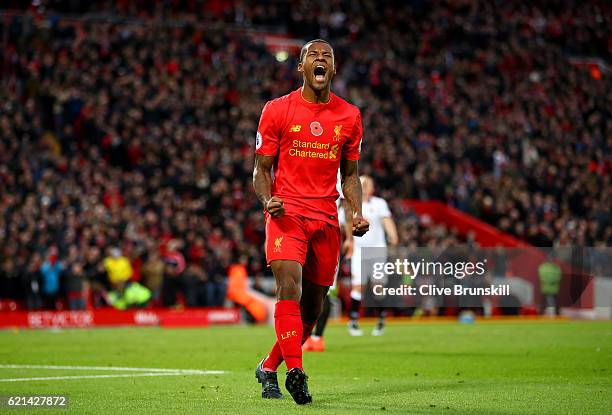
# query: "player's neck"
316, 97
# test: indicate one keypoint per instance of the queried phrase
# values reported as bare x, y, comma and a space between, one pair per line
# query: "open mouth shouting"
319, 72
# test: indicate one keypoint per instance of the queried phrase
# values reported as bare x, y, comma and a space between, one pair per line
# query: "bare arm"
348, 215
351, 188
391, 230
347, 246
262, 184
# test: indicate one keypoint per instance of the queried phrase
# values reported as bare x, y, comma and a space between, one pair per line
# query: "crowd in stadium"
135, 139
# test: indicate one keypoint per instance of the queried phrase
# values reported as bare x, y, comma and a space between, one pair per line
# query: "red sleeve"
352, 148
268, 137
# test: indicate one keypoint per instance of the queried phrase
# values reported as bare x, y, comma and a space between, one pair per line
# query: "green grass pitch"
438, 368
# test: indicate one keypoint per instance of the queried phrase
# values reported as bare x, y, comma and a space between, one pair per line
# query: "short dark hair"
307, 45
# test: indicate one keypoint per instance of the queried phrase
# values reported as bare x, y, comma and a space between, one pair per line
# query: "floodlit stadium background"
127, 133
127, 129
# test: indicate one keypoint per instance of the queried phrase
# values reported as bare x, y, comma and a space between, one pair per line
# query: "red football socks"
288, 325
275, 358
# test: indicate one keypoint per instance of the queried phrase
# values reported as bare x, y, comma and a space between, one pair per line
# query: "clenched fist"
275, 207
360, 225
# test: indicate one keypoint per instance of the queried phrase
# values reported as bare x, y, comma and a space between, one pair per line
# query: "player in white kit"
382, 231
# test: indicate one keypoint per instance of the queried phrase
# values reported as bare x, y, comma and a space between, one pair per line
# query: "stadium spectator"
118, 268
175, 281
95, 274
550, 283
217, 282
50, 271
32, 283
75, 286
153, 274
195, 286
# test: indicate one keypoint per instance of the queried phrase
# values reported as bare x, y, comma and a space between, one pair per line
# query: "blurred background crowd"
126, 142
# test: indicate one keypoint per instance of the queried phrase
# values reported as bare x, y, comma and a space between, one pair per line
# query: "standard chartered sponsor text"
308, 149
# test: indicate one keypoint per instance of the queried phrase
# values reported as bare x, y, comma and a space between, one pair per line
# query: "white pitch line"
127, 375
117, 369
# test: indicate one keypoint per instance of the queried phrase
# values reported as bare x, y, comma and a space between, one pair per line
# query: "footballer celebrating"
302, 140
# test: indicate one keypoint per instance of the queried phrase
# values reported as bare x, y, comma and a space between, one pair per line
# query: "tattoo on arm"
351, 186
262, 178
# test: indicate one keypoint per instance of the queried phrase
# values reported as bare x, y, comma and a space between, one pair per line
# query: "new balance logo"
295, 128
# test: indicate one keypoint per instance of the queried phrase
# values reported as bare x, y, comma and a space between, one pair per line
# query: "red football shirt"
308, 141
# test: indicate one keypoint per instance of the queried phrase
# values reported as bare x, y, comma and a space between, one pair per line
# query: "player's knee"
288, 289
288, 280
356, 293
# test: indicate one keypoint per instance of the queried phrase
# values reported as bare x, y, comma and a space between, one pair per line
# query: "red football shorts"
313, 243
